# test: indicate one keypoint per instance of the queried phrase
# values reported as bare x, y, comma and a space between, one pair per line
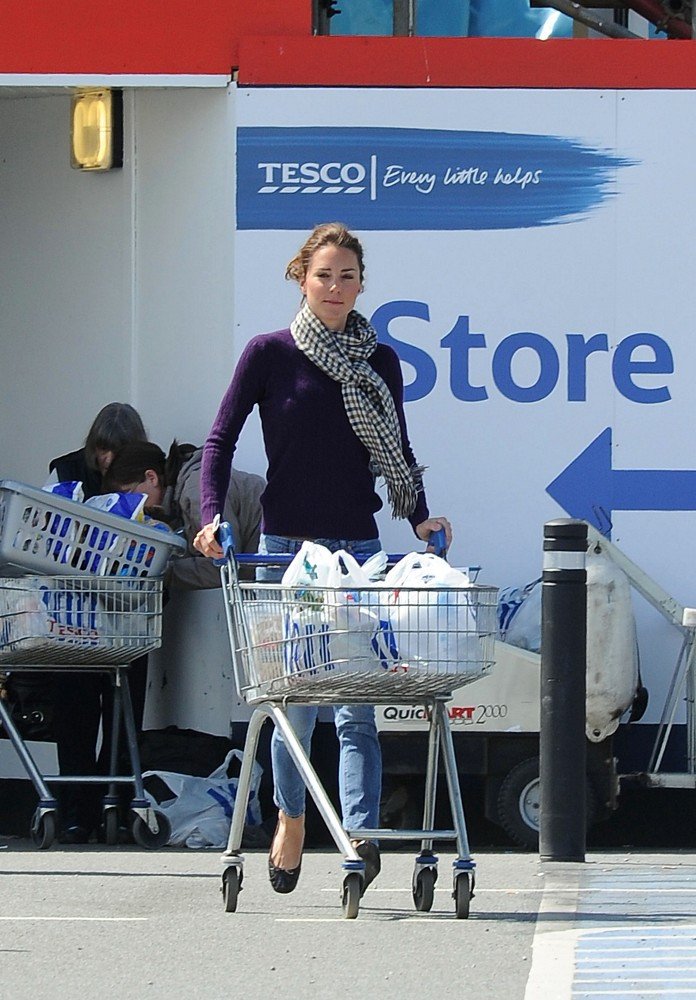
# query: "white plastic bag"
332, 621
200, 809
431, 616
306, 618
519, 616
264, 620
312, 566
39, 609
354, 614
130, 505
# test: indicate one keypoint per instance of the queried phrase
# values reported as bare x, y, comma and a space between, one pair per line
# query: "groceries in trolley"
433, 616
332, 616
56, 619
328, 625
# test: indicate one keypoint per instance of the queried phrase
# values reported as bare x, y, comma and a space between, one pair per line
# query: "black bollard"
562, 750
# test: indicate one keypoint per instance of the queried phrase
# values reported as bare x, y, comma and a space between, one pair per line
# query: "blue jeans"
360, 756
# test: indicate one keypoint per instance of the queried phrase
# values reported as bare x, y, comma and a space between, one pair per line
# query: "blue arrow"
589, 488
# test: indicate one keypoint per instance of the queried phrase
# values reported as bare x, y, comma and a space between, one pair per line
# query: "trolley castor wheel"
462, 893
151, 839
111, 824
231, 887
43, 829
424, 889
352, 887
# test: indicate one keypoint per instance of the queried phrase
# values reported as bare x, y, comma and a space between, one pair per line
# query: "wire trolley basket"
334, 645
68, 620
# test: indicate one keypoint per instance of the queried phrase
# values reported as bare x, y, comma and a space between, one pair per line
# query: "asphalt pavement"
94, 921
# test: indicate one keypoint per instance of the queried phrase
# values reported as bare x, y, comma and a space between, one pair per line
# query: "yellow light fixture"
96, 129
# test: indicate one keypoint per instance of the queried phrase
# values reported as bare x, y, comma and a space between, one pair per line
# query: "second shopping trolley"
339, 645
80, 591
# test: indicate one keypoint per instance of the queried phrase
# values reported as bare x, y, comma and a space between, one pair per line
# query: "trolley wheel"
111, 826
424, 889
519, 800
352, 884
231, 886
43, 829
145, 837
462, 895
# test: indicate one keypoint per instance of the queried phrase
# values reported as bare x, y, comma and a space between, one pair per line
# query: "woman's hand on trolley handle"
434, 524
207, 543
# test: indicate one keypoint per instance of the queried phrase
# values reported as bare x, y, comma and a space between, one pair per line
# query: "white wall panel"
64, 286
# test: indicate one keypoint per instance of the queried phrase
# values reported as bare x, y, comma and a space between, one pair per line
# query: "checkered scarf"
369, 404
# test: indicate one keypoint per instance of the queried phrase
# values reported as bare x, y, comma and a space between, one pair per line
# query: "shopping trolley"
328, 646
82, 593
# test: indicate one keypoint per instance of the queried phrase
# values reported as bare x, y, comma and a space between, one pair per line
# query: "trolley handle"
225, 536
438, 542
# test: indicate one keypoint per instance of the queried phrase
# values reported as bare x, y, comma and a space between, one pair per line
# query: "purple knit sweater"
319, 484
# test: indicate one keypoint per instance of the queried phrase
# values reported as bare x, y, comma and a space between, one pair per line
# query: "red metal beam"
468, 62
171, 37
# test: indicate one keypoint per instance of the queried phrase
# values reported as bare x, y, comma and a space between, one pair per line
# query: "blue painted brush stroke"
409, 179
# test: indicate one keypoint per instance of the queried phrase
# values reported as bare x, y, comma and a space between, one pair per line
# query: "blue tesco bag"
519, 616
200, 809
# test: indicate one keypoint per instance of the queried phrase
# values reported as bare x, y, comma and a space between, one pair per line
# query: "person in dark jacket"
83, 701
115, 425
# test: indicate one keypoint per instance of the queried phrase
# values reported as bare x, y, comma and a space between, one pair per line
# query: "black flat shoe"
369, 852
283, 879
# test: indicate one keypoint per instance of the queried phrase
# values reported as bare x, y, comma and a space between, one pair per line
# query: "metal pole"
562, 749
613, 29
404, 17
322, 12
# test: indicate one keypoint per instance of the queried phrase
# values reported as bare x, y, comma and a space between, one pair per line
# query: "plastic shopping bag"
306, 618
312, 566
519, 615
431, 616
35, 610
200, 809
331, 622
354, 612
264, 620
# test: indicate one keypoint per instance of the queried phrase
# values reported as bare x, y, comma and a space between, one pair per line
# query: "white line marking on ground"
635, 996
647, 947
527, 892
553, 952
89, 919
609, 972
440, 919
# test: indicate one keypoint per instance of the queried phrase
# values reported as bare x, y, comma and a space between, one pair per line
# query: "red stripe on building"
468, 62
199, 37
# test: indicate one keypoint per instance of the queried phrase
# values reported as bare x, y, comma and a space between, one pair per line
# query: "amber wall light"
96, 129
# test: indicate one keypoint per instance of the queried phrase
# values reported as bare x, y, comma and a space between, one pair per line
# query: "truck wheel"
519, 802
